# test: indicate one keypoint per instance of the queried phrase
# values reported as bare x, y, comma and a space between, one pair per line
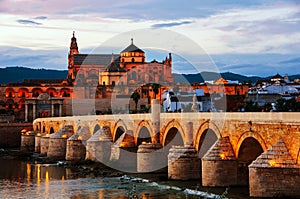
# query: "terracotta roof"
93, 59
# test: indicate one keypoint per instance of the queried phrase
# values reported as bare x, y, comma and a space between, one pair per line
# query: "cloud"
41, 17
171, 24
291, 61
29, 22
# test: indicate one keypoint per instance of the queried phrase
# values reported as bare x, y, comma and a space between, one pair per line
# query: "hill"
209, 76
18, 74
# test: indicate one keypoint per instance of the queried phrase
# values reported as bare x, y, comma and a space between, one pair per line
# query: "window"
133, 75
113, 83
132, 60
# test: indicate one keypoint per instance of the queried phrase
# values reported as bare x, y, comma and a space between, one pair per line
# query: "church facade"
90, 76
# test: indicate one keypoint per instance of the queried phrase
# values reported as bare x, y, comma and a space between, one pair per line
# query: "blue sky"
258, 37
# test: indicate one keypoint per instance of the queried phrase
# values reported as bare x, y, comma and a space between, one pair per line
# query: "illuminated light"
222, 156
101, 138
79, 138
24, 131
272, 163
64, 136
63, 178
47, 176
38, 134
47, 135
122, 144
144, 142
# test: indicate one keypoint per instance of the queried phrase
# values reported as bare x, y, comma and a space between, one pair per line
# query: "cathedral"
98, 77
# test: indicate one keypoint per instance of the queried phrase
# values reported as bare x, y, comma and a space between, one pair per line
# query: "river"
25, 179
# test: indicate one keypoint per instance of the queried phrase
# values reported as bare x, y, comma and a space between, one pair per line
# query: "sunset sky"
257, 37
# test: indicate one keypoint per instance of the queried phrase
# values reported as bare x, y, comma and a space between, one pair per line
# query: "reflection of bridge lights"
28, 172
222, 156
47, 176
272, 163
38, 174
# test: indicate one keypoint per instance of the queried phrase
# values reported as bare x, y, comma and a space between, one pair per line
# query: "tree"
136, 97
155, 88
280, 105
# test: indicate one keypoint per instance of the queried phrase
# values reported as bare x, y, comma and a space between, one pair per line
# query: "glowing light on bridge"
222, 156
272, 163
64, 136
79, 137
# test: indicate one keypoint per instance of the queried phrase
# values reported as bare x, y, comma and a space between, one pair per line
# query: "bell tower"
73, 50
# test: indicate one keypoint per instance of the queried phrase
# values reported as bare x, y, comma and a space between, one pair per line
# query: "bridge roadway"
244, 136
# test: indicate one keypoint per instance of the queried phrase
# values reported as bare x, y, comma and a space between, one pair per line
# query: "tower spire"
131, 40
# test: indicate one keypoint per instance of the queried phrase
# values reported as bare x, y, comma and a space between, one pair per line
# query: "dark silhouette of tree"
155, 88
136, 97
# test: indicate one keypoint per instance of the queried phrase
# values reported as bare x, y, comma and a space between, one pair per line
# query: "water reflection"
21, 179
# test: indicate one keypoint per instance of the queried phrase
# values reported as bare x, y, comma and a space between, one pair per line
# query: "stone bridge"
260, 149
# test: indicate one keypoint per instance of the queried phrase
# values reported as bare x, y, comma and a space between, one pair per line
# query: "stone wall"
274, 182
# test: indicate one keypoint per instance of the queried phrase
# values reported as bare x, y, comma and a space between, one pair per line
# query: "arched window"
132, 60
113, 83
133, 76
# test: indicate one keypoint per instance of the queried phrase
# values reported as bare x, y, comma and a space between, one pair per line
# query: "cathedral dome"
132, 48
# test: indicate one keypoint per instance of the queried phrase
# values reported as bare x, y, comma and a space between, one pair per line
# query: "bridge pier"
44, 144
58, 142
37, 143
219, 165
123, 153
274, 174
183, 161
76, 149
98, 147
27, 141
150, 158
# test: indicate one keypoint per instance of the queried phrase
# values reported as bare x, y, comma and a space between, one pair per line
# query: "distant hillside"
18, 74
209, 76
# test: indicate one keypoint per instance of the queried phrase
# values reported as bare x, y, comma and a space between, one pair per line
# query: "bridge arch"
119, 128
208, 133
143, 133
51, 130
96, 128
250, 146
170, 127
254, 135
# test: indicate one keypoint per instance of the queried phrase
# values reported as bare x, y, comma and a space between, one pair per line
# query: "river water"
23, 179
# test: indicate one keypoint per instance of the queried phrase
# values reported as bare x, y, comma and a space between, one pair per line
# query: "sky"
257, 37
